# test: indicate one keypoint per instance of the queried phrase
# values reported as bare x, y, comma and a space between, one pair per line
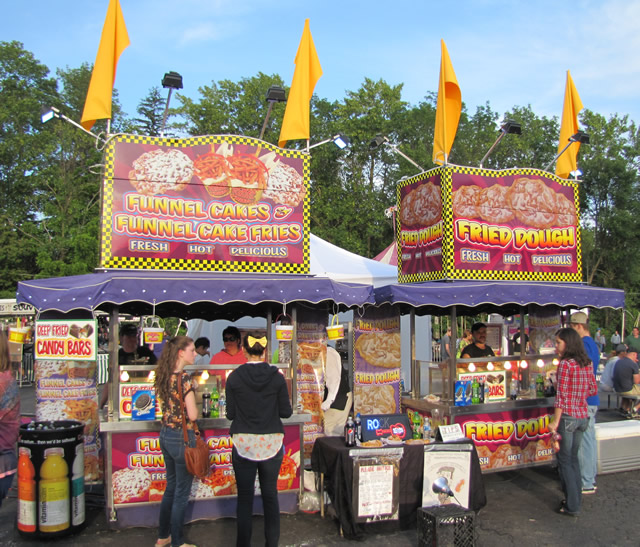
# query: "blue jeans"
176, 496
588, 453
571, 429
245, 471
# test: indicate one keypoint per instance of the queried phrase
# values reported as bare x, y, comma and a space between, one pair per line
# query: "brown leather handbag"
196, 457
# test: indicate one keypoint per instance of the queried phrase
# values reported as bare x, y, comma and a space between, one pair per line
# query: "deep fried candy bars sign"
217, 203
67, 340
465, 223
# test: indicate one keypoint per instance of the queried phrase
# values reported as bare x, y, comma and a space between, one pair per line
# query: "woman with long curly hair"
575, 383
257, 399
176, 354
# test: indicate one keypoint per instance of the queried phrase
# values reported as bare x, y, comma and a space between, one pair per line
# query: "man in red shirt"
232, 353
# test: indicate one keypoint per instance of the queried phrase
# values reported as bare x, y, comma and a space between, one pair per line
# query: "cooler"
618, 446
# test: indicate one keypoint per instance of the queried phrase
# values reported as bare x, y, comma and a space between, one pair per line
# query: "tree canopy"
50, 175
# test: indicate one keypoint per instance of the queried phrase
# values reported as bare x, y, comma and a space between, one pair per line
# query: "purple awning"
187, 295
504, 297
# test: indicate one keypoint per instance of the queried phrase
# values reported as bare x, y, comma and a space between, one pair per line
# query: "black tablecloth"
331, 457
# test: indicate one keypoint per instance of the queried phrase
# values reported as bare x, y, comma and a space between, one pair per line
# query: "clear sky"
506, 52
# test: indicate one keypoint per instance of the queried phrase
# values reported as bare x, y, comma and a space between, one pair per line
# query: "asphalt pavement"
520, 511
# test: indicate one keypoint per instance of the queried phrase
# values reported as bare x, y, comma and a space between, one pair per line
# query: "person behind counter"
479, 347
257, 399
576, 382
9, 418
130, 352
231, 354
176, 354
202, 349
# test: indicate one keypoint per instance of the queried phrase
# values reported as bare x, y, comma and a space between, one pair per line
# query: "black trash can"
50, 478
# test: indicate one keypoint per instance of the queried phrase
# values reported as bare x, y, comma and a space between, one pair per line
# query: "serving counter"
507, 434
135, 475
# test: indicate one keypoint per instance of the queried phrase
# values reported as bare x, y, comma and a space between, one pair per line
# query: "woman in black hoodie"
257, 398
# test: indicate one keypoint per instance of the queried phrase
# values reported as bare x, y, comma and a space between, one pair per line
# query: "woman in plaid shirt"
576, 382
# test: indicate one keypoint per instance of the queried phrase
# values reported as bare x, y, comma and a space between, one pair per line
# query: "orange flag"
567, 162
447, 110
295, 124
113, 42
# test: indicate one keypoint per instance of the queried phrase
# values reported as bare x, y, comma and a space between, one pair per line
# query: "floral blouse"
171, 409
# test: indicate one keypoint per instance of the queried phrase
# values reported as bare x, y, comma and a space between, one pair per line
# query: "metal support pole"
266, 120
448, 390
114, 369
415, 367
294, 357
166, 112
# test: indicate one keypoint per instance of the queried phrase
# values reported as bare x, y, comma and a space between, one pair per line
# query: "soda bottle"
206, 403
540, 386
222, 406
358, 425
481, 392
26, 491
426, 430
215, 398
417, 422
350, 432
475, 391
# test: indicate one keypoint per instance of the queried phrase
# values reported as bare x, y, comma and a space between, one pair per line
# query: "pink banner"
221, 203
509, 439
139, 474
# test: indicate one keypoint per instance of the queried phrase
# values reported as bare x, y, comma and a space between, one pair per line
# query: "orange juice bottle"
26, 491
54, 506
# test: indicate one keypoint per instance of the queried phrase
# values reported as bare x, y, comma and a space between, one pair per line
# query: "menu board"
139, 474
221, 203
508, 440
376, 378
67, 390
465, 223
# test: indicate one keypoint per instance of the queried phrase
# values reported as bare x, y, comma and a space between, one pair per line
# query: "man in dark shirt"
130, 352
626, 377
478, 348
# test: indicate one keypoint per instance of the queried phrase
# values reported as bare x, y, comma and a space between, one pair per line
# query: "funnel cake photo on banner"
465, 201
533, 202
160, 171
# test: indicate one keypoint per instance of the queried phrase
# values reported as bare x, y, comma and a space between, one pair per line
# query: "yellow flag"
295, 124
572, 105
448, 109
113, 42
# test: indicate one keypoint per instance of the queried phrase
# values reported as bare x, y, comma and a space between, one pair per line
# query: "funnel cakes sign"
221, 203
465, 223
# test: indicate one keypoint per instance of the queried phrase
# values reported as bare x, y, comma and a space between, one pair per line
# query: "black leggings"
245, 471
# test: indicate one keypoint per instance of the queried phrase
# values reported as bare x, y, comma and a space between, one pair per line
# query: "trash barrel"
50, 478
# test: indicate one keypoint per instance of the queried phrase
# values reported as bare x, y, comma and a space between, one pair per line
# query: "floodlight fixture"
171, 80
340, 140
275, 94
49, 112
579, 136
381, 140
508, 127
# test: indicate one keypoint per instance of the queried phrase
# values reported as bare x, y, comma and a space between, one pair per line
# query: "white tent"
328, 260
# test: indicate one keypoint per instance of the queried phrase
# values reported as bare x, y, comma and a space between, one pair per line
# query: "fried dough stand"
195, 229
474, 241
